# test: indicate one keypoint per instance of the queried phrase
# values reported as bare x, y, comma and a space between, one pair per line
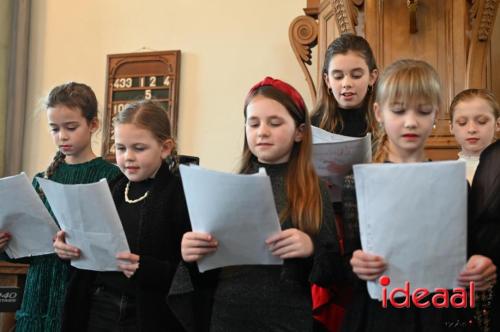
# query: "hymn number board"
136, 76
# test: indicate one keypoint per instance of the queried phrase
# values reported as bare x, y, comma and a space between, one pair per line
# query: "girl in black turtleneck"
150, 202
272, 297
344, 107
344, 100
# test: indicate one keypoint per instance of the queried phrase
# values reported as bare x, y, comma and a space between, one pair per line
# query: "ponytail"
172, 161
54, 165
381, 150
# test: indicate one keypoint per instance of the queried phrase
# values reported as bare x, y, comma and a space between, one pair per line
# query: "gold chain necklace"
131, 201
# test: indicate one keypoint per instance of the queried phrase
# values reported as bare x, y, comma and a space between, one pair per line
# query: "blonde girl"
151, 205
474, 121
407, 101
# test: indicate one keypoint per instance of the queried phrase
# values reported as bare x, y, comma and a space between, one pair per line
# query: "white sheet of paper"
88, 216
25, 217
238, 210
334, 155
415, 216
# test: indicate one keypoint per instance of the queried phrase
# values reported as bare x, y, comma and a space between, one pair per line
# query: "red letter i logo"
384, 281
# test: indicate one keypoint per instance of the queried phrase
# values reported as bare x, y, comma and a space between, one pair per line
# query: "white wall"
5, 17
226, 45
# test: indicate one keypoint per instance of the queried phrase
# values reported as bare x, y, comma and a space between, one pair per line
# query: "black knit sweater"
279, 296
163, 220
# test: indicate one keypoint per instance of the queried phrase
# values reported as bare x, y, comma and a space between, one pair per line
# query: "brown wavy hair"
302, 183
326, 106
76, 96
407, 80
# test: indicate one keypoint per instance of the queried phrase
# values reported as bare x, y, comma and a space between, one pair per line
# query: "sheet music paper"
334, 155
24, 216
88, 216
238, 210
415, 216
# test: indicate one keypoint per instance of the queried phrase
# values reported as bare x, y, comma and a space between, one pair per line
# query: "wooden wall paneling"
374, 27
328, 31
388, 32
493, 63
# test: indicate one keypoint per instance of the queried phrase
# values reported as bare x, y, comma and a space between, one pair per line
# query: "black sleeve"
190, 295
159, 272
484, 206
328, 264
350, 223
352, 240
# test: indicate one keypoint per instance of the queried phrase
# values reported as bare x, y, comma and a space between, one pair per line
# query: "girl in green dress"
72, 118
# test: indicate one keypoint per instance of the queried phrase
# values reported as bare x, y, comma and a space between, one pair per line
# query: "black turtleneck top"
354, 122
274, 297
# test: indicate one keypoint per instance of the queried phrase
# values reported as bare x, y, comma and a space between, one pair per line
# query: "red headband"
283, 87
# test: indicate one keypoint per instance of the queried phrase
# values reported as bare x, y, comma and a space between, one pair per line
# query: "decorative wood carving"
303, 35
482, 16
482, 13
346, 14
412, 8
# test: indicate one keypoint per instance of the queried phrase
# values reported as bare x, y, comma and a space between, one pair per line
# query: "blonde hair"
469, 94
305, 206
409, 80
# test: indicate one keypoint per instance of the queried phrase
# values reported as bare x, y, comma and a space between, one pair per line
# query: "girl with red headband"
276, 297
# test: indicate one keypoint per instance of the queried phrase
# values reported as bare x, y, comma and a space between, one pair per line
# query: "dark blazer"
163, 221
484, 219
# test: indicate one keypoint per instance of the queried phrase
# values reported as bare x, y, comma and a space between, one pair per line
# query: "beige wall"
226, 46
5, 15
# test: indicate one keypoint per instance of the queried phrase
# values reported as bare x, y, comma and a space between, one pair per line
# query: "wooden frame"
135, 76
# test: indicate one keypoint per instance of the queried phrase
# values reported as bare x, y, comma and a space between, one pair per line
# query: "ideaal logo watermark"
440, 297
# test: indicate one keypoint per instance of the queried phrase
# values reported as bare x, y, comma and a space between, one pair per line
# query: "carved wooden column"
482, 18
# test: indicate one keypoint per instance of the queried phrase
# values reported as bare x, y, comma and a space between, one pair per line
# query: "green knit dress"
47, 276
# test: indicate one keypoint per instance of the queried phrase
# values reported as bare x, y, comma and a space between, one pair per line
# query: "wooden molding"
482, 16
13, 268
346, 14
412, 8
303, 35
312, 8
